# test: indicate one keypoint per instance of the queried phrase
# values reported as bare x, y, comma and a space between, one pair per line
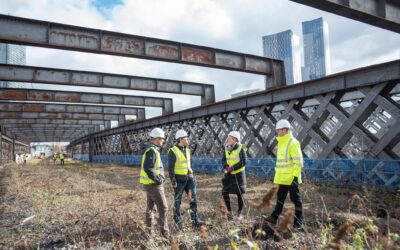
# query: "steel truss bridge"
348, 123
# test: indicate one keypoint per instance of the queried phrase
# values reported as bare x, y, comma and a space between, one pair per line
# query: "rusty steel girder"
61, 36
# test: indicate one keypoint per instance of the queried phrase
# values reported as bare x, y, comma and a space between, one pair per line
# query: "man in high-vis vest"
61, 155
182, 178
288, 167
152, 179
234, 180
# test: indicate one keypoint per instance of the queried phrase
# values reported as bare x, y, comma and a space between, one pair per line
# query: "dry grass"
92, 206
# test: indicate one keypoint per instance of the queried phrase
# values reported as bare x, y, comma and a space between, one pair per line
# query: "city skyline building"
285, 46
316, 51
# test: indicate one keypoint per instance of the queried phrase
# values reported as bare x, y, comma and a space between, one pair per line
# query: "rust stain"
72, 38
65, 116
13, 94
163, 51
5, 107
11, 115
39, 96
127, 46
197, 55
49, 116
33, 108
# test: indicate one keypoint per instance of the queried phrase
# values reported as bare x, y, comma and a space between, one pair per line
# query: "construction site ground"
101, 206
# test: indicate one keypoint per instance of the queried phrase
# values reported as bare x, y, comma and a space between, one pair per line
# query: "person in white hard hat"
182, 178
152, 179
234, 180
288, 167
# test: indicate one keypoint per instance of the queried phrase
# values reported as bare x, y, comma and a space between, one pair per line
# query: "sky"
236, 25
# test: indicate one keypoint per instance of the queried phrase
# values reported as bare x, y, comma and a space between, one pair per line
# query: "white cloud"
234, 25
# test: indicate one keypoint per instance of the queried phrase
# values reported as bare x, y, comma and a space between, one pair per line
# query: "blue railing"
373, 172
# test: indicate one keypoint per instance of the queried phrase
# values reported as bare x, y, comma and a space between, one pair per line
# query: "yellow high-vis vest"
61, 156
144, 178
234, 157
289, 160
182, 164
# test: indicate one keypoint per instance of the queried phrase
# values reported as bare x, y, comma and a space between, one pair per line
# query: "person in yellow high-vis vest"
289, 162
182, 178
61, 155
152, 179
234, 180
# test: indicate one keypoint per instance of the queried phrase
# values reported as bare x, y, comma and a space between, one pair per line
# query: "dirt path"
92, 206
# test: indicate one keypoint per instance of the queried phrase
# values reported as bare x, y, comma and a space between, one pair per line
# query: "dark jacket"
171, 163
149, 163
235, 183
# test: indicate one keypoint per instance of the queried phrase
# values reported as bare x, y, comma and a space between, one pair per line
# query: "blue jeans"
188, 185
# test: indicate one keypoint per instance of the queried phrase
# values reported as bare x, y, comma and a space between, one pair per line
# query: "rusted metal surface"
82, 97
70, 108
17, 73
348, 115
381, 13
51, 121
13, 30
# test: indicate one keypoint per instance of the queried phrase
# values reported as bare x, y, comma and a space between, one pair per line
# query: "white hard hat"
180, 133
235, 134
157, 133
283, 124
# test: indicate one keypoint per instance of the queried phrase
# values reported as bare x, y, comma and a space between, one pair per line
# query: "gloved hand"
174, 184
228, 169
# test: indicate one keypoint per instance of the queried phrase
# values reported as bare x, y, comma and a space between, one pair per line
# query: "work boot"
270, 220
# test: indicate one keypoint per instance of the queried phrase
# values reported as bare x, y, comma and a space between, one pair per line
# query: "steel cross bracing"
16, 73
70, 108
380, 13
350, 114
85, 97
54, 35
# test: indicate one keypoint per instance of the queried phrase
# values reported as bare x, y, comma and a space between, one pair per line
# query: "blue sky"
105, 6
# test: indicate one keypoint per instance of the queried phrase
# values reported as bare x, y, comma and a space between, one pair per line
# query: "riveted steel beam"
51, 121
381, 13
17, 73
12, 106
61, 36
72, 116
83, 97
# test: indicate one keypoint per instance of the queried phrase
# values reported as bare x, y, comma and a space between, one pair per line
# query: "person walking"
24, 157
234, 180
54, 159
61, 155
182, 178
152, 179
288, 167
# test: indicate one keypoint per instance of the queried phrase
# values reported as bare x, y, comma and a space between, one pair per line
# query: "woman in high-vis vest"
289, 162
182, 178
152, 179
234, 180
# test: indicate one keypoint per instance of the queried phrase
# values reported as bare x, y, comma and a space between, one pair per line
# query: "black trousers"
295, 197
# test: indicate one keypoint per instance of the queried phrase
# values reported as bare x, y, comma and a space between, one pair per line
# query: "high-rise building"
12, 54
317, 61
285, 46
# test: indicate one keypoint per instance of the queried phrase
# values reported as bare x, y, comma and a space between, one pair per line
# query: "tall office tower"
317, 61
12, 54
285, 46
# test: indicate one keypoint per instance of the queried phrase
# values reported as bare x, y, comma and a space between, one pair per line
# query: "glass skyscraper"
285, 46
317, 61
12, 54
